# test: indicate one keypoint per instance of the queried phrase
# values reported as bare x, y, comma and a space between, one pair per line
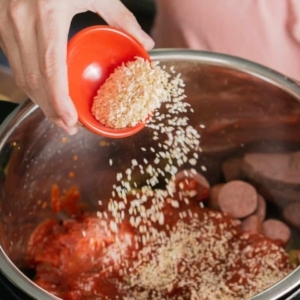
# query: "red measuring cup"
92, 56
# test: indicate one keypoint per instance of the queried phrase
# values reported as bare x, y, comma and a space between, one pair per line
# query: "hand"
34, 36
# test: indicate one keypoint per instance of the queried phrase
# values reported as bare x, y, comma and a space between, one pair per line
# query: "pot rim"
282, 288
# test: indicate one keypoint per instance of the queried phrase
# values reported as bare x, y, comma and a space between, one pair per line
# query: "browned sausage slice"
281, 169
282, 197
252, 224
193, 184
292, 214
213, 202
232, 169
277, 231
261, 208
238, 198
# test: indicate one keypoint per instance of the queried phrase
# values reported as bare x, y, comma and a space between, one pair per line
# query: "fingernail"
71, 130
147, 41
68, 120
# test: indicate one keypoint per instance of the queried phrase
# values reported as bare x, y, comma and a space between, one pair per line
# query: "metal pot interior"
243, 107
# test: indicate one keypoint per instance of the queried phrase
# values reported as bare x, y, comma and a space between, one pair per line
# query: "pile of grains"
198, 254
206, 259
132, 92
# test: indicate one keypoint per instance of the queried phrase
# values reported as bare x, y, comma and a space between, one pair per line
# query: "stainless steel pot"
244, 107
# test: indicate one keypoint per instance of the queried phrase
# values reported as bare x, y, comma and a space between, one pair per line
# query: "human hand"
34, 36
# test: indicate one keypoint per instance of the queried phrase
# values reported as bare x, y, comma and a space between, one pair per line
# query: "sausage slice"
292, 214
232, 169
238, 198
277, 231
213, 202
281, 169
252, 224
261, 208
192, 184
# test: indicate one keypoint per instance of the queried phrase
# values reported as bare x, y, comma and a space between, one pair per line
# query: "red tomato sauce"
78, 258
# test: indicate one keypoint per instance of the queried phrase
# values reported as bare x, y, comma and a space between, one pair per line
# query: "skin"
34, 36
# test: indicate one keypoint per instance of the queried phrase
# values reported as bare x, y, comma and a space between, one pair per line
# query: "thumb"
117, 15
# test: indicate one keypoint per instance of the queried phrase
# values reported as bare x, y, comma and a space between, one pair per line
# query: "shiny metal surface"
244, 107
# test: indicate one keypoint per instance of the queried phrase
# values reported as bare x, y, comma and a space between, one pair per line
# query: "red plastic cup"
92, 56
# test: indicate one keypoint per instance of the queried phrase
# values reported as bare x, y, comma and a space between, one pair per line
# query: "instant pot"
242, 107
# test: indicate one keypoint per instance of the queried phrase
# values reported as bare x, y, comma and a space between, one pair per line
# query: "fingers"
69, 130
52, 38
34, 36
10, 47
14, 59
116, 14
37, 55
26, 47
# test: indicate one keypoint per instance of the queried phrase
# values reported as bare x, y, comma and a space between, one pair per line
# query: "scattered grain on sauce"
64, 140
75, 157
196, 253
